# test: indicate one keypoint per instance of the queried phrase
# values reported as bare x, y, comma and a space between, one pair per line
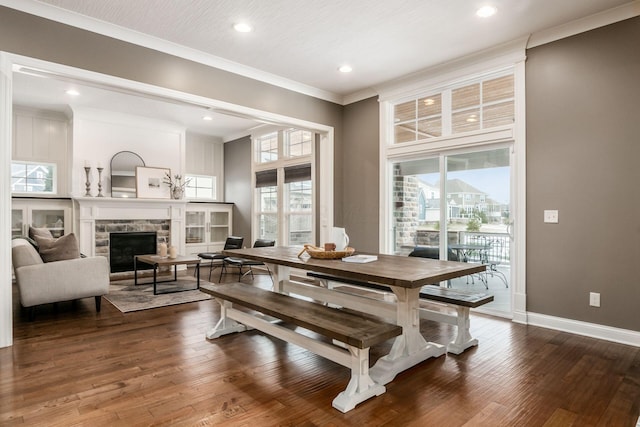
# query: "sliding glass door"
459, 203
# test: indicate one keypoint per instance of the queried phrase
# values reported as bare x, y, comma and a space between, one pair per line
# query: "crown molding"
120, 33
607, 17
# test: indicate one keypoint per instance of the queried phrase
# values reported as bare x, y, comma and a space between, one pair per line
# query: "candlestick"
100, 182
87, 170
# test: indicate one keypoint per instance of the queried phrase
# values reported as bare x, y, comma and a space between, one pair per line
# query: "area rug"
126, 297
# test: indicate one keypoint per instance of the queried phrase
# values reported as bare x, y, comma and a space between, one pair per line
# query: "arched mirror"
123, 173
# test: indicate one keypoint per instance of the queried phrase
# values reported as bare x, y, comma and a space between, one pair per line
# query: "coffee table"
157, 261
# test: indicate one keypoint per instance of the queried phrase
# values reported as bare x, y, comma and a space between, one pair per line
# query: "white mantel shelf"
91, 209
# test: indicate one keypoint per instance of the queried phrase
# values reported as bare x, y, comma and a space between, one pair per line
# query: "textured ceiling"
306, 40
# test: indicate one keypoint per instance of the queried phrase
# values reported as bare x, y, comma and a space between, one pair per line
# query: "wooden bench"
462, 301
358, 333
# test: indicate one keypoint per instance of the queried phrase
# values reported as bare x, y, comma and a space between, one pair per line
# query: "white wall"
99, 134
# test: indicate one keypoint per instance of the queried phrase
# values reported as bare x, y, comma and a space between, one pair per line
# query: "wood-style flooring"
73, 366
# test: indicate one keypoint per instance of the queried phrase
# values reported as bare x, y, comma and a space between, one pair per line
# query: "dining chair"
216, 258
241, 263
433, 252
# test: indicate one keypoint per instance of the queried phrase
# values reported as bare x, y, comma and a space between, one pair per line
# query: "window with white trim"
471, 106
33, 178
284, 186
200, 187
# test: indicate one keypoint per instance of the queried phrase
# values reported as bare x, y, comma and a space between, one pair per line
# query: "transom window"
36, 178
472, 106
267, 148
298, 142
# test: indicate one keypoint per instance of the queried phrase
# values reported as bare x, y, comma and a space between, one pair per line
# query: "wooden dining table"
403, 275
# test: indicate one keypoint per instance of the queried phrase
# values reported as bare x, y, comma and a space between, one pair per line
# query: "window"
267, 148
27, 177
299, 204
482, 104
298, 142
284, 191
418, 119
200, 187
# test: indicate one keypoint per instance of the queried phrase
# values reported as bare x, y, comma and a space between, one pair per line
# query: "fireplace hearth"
123, 246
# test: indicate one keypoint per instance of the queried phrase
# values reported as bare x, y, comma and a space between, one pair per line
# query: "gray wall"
360, 163
237, 187
583, 148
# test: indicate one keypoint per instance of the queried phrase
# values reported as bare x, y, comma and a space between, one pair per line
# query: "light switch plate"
551, 216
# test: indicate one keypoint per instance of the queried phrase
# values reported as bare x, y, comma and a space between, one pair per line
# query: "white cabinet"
54, 214
207, 226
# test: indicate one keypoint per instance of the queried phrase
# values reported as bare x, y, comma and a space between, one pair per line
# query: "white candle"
173, 253
99, 164
87, 164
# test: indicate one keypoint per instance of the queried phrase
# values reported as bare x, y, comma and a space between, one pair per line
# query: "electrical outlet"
551, 216
594, 299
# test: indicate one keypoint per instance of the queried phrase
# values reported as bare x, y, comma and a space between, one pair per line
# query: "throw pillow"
39, 232
65, 247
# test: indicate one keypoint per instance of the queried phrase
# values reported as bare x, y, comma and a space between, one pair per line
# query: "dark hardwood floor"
73, 366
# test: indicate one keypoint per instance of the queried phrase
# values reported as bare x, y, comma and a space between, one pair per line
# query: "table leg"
198, 276
410, 348
280, 273
155, 278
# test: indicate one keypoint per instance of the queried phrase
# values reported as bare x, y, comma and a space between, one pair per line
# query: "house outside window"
33, 178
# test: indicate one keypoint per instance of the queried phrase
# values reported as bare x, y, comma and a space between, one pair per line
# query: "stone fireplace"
97, 217
138, 241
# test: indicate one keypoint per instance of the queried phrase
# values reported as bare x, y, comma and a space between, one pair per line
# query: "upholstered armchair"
42, 282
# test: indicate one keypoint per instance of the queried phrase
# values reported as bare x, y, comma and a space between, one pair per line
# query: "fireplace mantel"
90, 209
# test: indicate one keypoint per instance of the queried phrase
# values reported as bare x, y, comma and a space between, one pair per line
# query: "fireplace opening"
124, 245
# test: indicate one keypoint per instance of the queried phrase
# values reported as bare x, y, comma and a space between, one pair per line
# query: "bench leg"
361, 387
463, 339
225, 325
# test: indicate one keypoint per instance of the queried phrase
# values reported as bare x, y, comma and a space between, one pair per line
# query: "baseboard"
607, 333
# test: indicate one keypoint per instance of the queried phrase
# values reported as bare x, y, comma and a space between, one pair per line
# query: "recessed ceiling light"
72, 92
345, 69
486, 11
207, 118
242, 27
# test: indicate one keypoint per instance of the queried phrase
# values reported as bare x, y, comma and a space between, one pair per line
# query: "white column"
6, 306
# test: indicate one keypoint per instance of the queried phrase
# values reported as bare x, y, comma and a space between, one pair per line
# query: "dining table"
405, 276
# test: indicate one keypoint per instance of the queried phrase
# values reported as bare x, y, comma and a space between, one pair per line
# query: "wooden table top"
393, 270
158, 260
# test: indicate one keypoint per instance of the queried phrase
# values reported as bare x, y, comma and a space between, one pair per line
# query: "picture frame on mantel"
149, 183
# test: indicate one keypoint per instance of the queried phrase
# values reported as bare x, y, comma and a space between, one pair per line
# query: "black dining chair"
433, 252
241, 263
216, 258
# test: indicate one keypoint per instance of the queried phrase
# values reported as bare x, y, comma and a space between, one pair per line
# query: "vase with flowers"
176, 185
